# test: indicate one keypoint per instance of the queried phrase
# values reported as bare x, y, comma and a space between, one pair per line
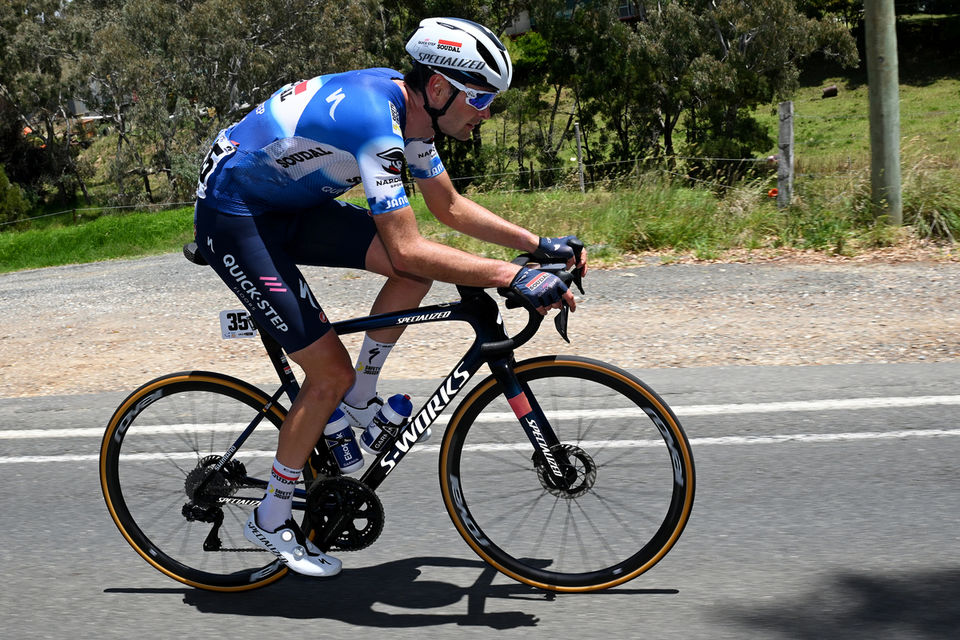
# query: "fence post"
785, 157
576, 131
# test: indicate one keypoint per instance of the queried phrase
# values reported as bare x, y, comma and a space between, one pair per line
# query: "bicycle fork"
547, 448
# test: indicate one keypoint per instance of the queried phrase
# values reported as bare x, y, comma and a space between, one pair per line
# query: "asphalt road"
827, 507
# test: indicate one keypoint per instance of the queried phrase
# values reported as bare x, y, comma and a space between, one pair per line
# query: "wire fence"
532, 179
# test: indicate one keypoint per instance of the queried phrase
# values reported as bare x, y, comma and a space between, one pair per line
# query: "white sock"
369, 362
277, 505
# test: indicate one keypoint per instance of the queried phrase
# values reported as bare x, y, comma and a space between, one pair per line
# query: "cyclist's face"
461, 118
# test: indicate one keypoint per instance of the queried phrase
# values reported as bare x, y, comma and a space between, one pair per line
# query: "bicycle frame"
491, 345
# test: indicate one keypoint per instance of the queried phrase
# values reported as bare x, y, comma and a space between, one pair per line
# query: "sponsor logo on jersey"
293, 90
302, 156
395, 116
394, 159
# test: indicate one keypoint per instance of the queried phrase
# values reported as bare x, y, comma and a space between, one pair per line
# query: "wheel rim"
155, 451
630, 506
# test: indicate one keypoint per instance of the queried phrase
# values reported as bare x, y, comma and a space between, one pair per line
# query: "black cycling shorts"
257, 257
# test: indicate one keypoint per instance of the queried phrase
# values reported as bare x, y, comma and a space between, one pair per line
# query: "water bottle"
386, 424
339, 437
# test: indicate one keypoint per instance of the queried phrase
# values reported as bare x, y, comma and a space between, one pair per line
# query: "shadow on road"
353, 596
864, 605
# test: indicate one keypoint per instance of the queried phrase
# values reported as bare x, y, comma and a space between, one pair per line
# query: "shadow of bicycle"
360, 597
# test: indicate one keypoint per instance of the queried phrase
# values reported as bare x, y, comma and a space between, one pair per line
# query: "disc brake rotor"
582, 464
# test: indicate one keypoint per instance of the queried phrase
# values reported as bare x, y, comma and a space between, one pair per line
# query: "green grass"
833, 134
107, 237
652, 214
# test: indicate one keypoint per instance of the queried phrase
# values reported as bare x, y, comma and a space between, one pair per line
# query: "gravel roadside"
113, 325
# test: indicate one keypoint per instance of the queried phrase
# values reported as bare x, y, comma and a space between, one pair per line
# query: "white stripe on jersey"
287, 105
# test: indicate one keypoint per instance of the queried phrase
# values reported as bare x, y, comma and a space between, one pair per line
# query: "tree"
13, 204
35, 86
750, 55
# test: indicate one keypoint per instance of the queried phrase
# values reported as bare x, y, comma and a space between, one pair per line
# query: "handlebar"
514, 300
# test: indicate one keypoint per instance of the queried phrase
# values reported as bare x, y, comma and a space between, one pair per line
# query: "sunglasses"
479, 100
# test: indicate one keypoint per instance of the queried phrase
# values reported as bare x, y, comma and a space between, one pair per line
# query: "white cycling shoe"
360, 417
292, 547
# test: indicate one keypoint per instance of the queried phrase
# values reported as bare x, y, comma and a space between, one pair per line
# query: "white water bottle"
386, 424
339, 438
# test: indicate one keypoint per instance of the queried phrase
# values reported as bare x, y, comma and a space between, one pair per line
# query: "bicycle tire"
619, 522
154, 445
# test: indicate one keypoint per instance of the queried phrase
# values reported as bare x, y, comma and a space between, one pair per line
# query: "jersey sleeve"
423, 159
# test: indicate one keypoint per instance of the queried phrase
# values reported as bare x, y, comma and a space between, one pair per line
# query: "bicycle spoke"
594, 528
173, 501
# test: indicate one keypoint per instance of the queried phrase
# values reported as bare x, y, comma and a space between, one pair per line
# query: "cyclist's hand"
560, 249
542, 290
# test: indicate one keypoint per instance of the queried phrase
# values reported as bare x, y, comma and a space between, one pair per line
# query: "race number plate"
236, 323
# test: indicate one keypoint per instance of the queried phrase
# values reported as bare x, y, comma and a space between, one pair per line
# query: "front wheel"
626, 508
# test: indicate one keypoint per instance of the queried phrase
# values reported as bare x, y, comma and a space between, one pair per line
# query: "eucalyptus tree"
37, 45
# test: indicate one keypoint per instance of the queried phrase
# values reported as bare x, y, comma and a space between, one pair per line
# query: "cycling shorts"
257, 257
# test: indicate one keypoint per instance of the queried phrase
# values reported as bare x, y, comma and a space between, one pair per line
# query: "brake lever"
577, 272
560, 321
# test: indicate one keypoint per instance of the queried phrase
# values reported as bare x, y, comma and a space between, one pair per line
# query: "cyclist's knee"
328, 384
415, 287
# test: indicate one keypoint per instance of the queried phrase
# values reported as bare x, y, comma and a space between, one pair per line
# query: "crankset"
344, 514
581, 473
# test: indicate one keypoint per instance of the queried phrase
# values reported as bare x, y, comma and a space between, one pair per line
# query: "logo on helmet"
449, 61
449, 45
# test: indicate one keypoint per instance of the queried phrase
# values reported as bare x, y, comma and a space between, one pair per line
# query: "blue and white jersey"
314, 140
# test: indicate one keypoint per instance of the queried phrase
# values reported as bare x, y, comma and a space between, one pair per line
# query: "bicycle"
562, 472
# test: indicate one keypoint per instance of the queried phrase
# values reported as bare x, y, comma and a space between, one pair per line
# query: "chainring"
583, 464
344, 514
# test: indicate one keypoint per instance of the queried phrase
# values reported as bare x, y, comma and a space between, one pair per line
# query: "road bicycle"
562, 472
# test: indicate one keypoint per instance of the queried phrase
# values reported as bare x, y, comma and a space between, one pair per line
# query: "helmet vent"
488, 58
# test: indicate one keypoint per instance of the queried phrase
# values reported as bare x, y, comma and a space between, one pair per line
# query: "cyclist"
266, 203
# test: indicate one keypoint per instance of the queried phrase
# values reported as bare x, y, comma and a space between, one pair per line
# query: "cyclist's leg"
344, 235
250, 254
341, 234
328, 376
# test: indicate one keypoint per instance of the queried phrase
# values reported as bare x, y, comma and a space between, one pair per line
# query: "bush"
14, 205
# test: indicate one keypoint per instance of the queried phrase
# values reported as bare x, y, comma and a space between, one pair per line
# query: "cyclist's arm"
411, 253
466, 216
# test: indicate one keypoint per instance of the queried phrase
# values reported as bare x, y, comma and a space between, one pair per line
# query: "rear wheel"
159, 475
619, 516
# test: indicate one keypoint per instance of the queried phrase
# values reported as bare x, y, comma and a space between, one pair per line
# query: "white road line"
694, 410
848, 404
607, 444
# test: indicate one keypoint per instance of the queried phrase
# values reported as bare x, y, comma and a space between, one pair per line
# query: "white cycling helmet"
462, 50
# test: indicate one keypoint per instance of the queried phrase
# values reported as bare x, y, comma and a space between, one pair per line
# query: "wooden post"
785, 157
883, 85
576, 131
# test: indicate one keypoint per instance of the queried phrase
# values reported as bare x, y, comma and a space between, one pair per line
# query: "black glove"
538, 288
557, 249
